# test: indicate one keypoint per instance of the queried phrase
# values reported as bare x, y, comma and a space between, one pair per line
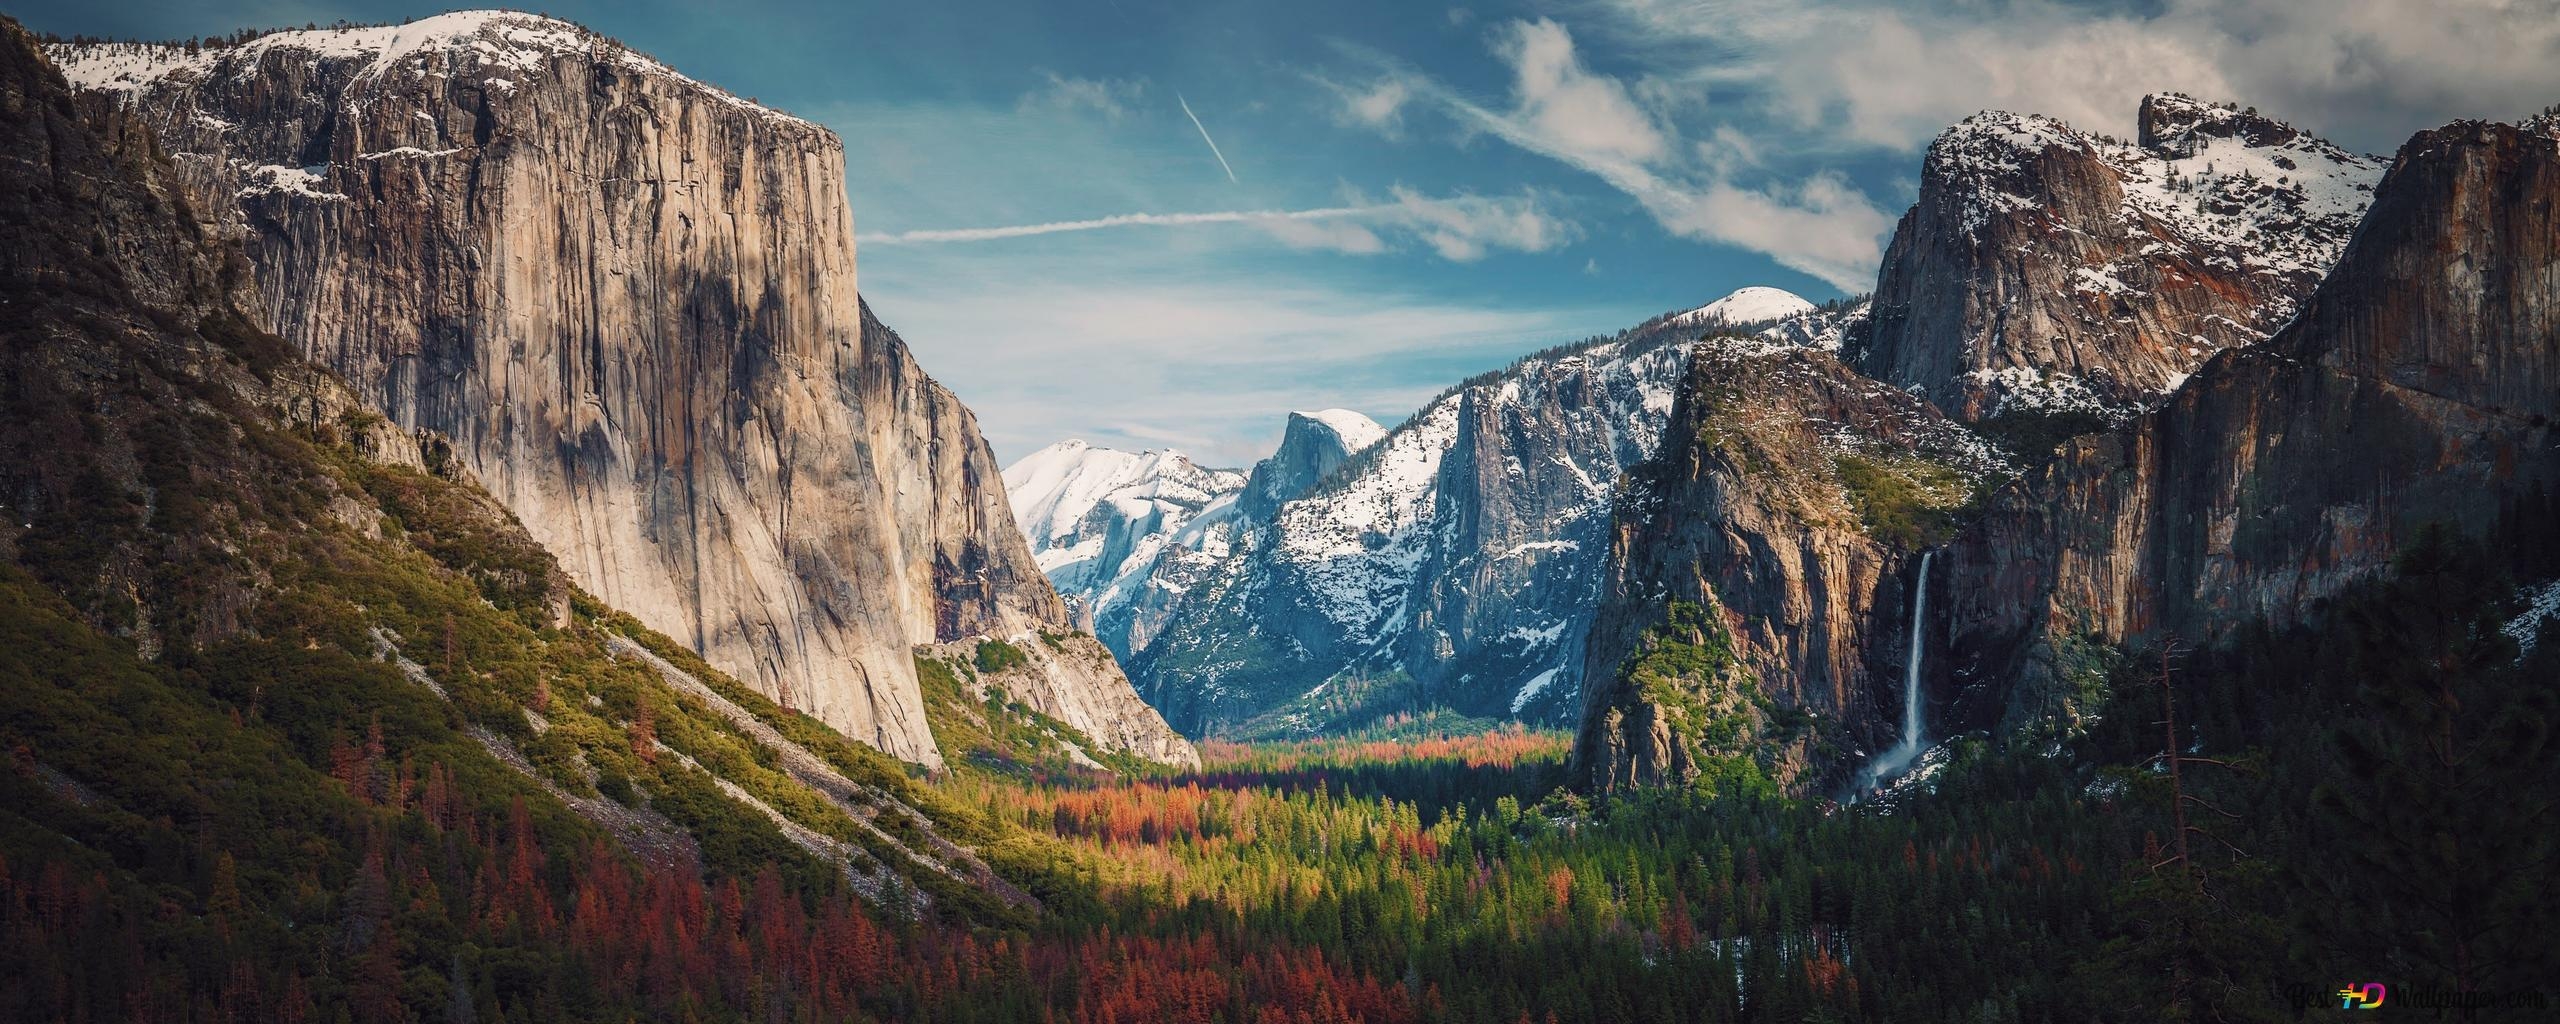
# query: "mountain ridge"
2046, 270
1427, 569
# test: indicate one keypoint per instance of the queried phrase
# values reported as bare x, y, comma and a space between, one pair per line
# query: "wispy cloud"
1461, 228
1110, 97
1378, 106
1893, 74
1566, 107
1120, 221
1204, 137
1325, 235
1820, 225
1126, 356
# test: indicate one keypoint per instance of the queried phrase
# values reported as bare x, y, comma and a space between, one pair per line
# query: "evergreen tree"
2434, 859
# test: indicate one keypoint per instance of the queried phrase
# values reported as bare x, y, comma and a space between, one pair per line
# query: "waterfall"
1894, 761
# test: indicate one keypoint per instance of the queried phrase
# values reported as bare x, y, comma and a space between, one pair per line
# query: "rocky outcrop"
2045, 270
1312, 446
1072, 679
1453, 564
1759, 567
630, 301
2418, 385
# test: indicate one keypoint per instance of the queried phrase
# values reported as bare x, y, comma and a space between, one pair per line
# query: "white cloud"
1567, 104
1109, 97
1382, 105
1332, 236
1378, 106
1265, 217
1820, 225
1463, 228
1138, 356
2365, 71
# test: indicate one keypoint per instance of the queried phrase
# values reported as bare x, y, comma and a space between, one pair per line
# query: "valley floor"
1400, 877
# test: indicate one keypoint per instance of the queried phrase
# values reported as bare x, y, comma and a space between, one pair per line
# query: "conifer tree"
2435, 860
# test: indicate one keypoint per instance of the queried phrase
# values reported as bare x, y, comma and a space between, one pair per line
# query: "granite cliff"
629, 299
217, 565
2418, 385
2045, 270
1759, 570
2372, 358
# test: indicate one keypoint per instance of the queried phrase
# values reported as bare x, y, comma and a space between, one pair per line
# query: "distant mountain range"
1451, 563
2048, 313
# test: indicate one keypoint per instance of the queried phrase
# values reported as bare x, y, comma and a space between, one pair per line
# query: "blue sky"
1400, 195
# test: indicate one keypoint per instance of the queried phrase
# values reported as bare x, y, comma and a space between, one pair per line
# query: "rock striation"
629, 299
2371, 352
1072, 678
260, 540
2046, 270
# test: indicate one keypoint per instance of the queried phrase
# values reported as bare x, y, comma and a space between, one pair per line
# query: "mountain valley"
470, 551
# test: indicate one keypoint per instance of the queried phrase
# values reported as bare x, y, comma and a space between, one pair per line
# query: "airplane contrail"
1204, 136
1120, 220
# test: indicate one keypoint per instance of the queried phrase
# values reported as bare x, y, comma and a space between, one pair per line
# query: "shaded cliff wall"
2419, 385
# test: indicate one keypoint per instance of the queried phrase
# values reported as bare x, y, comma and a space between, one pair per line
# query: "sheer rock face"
2046, 270
630, 300
138, 410
1312, 446
1748, 513
1508, 581
2418, 385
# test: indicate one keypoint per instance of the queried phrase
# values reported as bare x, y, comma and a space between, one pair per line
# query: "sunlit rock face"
2415, 383
630, 300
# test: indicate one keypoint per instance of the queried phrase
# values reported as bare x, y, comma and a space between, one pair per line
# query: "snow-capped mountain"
1126, 537
1455, 562
1312, 446
2045, 269
1098, 518
1755, 304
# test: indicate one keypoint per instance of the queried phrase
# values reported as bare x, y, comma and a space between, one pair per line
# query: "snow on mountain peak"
1355, 430
1751, 305
1094, 514
2261, 192
507, 42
